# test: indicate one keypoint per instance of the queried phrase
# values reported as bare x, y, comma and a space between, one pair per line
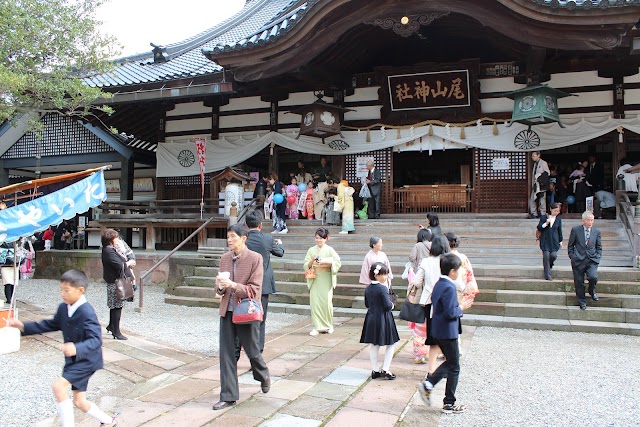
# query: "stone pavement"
323, 380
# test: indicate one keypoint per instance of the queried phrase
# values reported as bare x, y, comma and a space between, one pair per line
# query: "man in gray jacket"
265, 245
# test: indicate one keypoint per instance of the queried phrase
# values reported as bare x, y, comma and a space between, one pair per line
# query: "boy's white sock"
373, 356
99, 415
65, 410
388, 356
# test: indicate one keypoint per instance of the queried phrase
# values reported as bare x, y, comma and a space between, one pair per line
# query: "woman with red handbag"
239, 278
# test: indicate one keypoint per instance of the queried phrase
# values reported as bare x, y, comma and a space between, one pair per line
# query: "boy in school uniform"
445, 328
82, 347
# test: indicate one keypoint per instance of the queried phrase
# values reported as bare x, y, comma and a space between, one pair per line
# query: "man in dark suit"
550, 231
265, 245
374, 181
595, 174
585, 252
445, 329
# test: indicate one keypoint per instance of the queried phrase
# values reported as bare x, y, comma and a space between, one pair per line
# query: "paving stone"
179, 392
135, 412
109, 355
346, 375
259, 406
288, 389
331, 391
227, 419
197, 366
189, 414
139, 367
358, 418
186, 358
385, 396
283, 368
125, 373
247, 378
153, 384
284, 420
311, 407
212, 374
311, 372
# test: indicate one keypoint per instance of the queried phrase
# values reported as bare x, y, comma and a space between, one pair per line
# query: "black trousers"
373, 210
548, 258
450, 369
248, 335
590, 269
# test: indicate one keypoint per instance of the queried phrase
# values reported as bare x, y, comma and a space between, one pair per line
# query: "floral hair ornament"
376, 271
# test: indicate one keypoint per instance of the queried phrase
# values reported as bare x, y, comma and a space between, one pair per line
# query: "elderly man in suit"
240, 275
585, 252
265, 245
374, 181
539, 186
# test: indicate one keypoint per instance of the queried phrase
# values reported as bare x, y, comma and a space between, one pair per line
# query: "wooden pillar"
215, 121
150, 241
619, 145
274, 112
126, 191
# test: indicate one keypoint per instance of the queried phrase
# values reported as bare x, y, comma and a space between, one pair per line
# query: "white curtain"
180, 159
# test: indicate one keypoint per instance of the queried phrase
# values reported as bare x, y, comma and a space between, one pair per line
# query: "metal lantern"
536, 105
320, 119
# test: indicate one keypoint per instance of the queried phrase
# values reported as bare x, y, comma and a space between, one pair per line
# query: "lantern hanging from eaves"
319, 119
536, 105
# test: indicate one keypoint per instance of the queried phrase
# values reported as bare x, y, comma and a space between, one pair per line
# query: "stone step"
572, 312
568, 325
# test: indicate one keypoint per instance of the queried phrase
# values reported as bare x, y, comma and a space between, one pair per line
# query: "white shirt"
551, 219
71, 309
630, 179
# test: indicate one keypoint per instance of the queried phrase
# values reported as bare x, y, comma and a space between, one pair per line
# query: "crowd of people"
571, 186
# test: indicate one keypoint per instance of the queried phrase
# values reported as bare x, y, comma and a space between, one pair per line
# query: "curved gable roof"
185, 60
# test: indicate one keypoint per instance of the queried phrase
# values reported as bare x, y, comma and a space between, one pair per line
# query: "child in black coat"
379, 328
82, 347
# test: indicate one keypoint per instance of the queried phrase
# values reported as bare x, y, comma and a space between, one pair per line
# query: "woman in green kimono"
325, 261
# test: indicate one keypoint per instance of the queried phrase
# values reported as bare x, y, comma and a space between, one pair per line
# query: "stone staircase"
507, 263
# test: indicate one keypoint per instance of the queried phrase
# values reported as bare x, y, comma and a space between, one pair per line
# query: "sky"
136, 23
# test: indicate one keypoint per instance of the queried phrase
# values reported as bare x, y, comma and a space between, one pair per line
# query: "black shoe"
109, 329
595, 297
583, 306
388, 375
221, 405
453, 409
266, 385
119, 336
375, 374
531, 216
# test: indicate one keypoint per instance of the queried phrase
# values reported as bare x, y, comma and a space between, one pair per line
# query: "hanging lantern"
536, 105
320, 120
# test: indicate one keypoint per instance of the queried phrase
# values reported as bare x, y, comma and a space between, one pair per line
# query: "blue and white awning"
31, 217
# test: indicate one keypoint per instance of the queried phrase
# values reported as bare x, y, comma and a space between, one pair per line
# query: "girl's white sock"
388, 356
99, 415
65, 410
373, 356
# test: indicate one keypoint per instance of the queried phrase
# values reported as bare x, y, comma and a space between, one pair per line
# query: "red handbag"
247, 310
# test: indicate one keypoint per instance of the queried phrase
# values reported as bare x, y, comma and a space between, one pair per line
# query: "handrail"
626, 213
246, 209
167, 256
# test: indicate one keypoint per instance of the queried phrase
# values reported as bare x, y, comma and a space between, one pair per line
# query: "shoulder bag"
247, 310
412, 312
124, 287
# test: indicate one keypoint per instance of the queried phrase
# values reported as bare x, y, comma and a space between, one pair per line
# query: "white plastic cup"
224, 275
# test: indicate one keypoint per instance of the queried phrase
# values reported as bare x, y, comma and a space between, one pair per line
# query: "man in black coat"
585, 252
595, 174
265, 245
550, 229
374, 181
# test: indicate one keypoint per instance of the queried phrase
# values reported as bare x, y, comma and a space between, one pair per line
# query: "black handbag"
412, 312
124, 287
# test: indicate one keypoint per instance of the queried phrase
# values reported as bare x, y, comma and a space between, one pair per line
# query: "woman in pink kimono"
292, 191
309, 204
373, 256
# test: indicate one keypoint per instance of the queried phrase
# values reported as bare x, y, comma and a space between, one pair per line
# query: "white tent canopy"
180, 158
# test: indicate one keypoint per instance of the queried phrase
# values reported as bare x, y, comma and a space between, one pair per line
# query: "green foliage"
48, 47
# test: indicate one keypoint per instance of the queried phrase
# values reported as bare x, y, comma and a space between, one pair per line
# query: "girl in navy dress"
379, 328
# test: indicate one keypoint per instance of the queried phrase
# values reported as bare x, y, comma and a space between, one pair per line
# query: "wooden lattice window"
384, 162
499, 189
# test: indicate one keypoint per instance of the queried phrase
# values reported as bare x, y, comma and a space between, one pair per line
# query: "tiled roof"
185, 59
